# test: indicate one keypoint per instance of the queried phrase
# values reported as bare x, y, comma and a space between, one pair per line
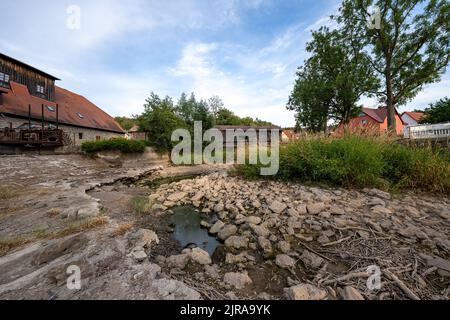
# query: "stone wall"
74, 136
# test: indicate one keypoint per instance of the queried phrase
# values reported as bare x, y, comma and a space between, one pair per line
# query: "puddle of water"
188, 230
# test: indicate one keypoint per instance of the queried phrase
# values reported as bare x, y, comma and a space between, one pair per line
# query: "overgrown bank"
357, 161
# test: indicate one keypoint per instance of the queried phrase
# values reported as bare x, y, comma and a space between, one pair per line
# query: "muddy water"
187, 229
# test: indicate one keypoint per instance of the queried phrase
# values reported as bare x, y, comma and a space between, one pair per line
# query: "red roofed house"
30, 99
412, 118
374, 121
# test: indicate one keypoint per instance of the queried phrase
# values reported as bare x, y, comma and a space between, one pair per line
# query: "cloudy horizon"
247, 52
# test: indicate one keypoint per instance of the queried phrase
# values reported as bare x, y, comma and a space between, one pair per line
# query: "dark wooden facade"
39, 83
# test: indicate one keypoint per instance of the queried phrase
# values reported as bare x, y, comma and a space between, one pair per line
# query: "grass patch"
116, 144
140, 205
7, 193
123, 228
9, 244
357, 161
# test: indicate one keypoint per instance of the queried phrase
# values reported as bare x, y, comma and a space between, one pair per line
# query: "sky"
245, 51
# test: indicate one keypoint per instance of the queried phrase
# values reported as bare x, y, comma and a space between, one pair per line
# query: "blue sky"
246, 52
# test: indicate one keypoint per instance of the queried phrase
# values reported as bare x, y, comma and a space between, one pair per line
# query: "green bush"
359, 162
119, 144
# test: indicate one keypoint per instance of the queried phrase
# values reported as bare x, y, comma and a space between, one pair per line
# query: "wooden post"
42, 107
29, 117
57, 116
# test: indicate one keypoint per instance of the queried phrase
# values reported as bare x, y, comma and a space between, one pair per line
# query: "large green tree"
407, 41
438, 112
311, 98
160, 120
332, 81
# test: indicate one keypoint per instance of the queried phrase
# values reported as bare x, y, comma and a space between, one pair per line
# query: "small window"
40, 89
51, 109
80, 115
4, 77
98, 138
364, 122
80, 136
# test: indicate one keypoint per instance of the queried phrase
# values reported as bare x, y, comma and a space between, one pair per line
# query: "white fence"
427, 131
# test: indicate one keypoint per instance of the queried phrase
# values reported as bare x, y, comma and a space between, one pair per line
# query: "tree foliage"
438, 112
331, 81
408, 49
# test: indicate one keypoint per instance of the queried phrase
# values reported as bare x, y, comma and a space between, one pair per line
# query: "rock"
212, 271
350, 293
198, 196
284, 246
138, 254
237, 280
227, 231
260, 230
253, 220
311, 260
144, 238
380, 194
292, 212
200, 256
216, 227
315, 208
381, 210
178, 196
305, 291
219, 208
52, 249
205, 224
233, 259
178, 261
173, 290
323, 239
265, 244
256, 204
88, 212
277, 207
237, 242
284, 261
302, 209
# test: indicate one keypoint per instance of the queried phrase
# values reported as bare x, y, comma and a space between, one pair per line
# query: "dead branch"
402, 285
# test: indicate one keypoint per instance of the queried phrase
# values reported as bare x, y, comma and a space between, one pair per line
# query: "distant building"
412, 118
30, 100
374, 121
258, 130
288, 136
136, 134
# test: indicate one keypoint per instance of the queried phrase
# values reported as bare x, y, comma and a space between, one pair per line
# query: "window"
51, 109
40, 89
4, 77
80, 136
80, 115
98, 138
364, 122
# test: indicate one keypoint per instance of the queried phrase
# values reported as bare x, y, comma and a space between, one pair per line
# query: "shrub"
119, 144
357, 161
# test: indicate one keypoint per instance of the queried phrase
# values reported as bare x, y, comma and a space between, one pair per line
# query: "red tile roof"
378, 114
73, 110
416, 116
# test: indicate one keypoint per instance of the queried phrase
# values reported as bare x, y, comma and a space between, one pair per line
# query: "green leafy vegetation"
140, 205
116, 144
356, 161
438, 112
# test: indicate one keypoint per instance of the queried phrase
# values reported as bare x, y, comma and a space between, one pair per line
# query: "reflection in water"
188, 230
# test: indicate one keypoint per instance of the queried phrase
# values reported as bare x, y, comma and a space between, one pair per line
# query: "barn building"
36, 112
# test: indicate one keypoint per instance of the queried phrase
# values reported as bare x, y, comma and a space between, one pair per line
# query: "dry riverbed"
276, 240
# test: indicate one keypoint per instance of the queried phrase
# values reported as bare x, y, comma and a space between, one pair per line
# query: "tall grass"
357, 161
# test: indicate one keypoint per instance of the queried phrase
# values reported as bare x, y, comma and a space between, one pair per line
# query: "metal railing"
427, 131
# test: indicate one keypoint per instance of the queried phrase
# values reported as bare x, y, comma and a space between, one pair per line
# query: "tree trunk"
390, 100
